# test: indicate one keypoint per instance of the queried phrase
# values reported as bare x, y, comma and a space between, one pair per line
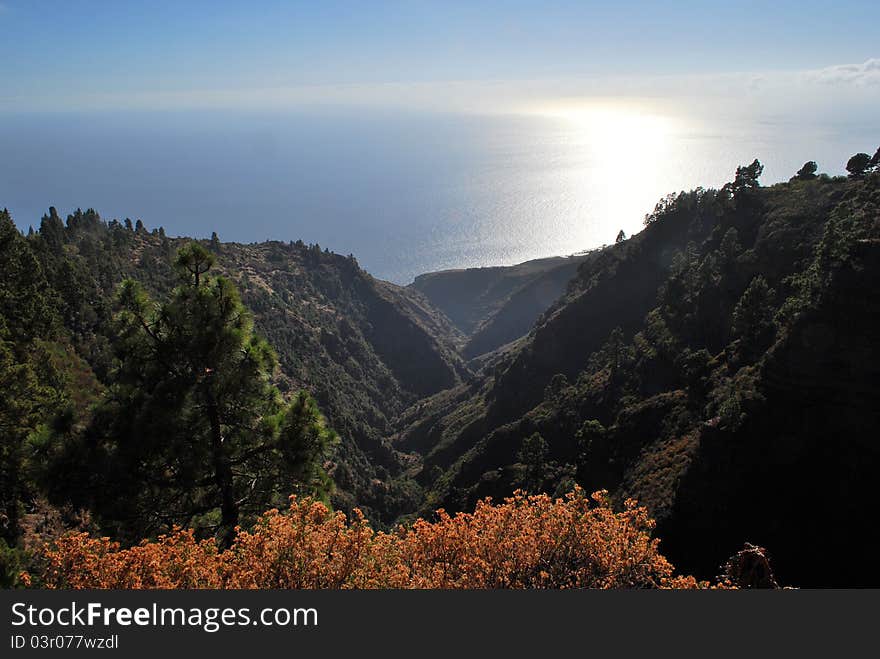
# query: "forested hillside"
363, 348
719, 367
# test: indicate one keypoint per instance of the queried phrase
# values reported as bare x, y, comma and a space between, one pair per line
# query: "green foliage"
21, 407
808, 171
12, 564
52, 231
753, 315
738, 325
746, 177
30, 390
533, 454
858, 165
734, 399
193, 261
752, 350
594, 455
24, 304
361, 347
192, 432
693, 297
615, 356
663, 207
696, 369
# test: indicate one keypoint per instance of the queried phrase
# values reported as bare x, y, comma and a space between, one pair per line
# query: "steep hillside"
794, 468
717, 366
366, 349
496, 305
720, 367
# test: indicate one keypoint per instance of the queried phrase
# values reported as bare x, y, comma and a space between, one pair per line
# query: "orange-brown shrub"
524, 542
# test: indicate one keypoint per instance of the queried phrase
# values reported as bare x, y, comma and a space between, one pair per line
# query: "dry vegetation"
524, 542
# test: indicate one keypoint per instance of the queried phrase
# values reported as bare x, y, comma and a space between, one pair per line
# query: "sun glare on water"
622, 163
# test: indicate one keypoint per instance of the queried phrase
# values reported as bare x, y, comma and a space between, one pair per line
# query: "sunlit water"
405, 193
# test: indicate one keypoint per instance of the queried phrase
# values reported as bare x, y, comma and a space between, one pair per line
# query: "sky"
487, 56
377, 128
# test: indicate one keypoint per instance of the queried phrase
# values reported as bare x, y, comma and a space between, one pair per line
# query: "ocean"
405, 192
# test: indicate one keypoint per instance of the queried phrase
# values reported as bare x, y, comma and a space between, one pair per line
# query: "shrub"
523, 542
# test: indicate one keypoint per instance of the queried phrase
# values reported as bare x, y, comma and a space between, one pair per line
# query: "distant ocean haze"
406, 193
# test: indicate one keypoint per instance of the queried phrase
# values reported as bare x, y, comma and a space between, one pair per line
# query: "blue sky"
374, 127
106, 52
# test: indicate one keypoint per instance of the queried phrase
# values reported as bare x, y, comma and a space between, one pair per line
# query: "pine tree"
192, 431
858, 165
808, 171
595, 465
52, 231
533, 454
23, 302
24, 403
753, 318
746, 178
27, 317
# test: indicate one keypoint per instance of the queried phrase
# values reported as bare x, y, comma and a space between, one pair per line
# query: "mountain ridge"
717, 366
665, 343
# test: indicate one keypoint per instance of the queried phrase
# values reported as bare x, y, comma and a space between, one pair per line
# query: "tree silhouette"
753, 317
808, 171
747, 176
52, 230
858, 165
533, 454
